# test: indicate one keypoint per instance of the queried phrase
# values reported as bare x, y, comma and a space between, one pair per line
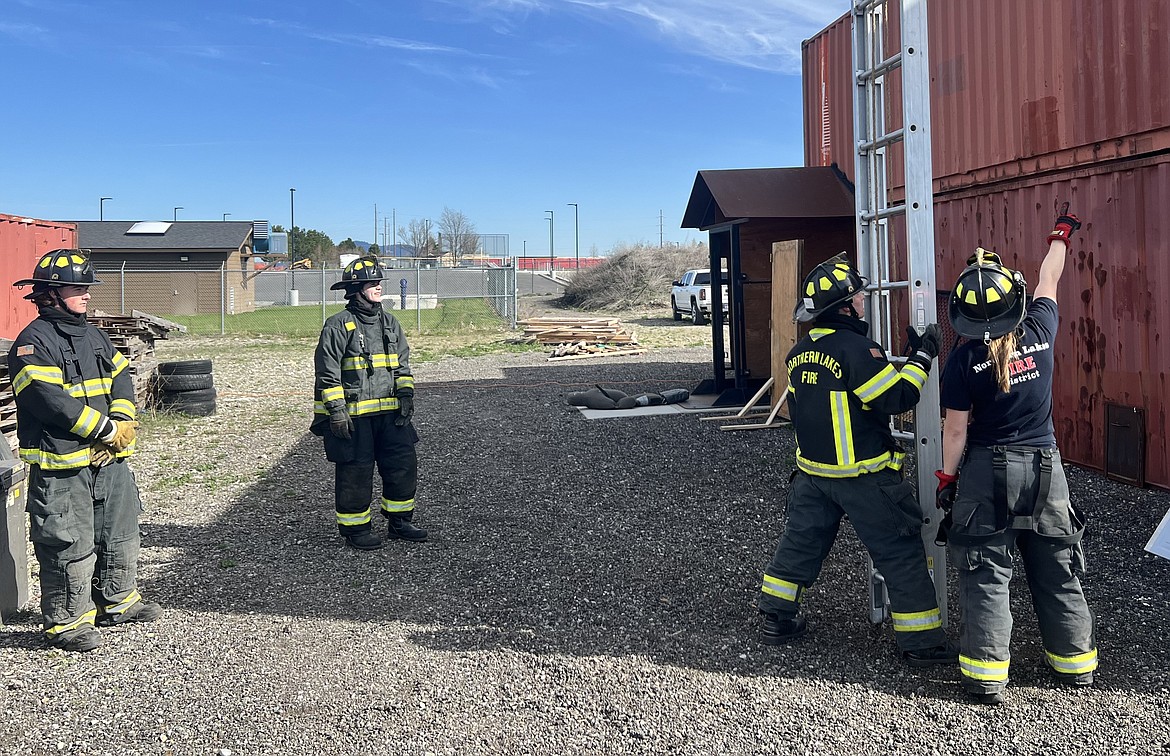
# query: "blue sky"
500, 109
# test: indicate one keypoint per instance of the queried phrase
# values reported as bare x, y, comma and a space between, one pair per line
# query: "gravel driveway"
589, 588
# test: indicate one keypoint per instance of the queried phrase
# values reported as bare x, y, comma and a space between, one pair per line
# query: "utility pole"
659, 228
375, 223
551, 258
576, 234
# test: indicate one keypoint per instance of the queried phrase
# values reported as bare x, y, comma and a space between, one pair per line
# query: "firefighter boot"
86, 638
365, 540
140, 611
926, 657
401, 527
778, 631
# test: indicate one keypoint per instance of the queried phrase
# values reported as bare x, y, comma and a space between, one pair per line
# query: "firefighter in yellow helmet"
842, 392
364, 401
76, 428
1008, 492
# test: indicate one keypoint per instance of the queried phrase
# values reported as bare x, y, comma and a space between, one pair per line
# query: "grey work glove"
340, 425
928, 343
405, 409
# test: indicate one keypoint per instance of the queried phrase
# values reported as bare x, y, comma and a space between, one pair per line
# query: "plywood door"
785, 282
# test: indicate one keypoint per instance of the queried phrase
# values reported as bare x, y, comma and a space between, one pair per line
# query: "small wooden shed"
767, 227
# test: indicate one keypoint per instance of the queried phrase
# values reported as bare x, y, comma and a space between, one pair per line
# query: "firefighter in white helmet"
364, 402
842, 392
77, 427
1009, 490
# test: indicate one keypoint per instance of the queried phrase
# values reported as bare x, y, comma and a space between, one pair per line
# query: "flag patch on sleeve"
24, 351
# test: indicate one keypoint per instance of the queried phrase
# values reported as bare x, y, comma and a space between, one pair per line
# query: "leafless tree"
418, 235
459, 236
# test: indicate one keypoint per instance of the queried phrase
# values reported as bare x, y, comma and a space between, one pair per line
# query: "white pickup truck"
692, 294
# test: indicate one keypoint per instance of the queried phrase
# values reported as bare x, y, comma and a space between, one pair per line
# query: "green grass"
450, 316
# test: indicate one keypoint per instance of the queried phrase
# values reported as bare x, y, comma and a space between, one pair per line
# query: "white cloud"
762, 34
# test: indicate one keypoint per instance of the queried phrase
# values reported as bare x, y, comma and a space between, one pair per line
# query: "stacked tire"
186, 386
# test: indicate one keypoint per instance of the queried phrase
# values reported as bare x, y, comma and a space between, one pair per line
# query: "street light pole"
176, 213
576, 234
102, 207
551, 256
292, 222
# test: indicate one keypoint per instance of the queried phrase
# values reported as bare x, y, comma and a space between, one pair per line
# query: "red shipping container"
22, 242
1033, 103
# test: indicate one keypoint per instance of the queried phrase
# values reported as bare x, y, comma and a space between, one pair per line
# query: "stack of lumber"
578, 338
7, 398
572, 330
134, 336
583, 349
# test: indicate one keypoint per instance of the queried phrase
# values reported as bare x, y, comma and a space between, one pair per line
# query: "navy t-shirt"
1023, 416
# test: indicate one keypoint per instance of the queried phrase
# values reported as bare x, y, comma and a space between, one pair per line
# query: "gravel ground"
589, 587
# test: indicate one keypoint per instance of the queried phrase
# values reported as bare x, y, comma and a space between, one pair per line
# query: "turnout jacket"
69, 380
841, 392
362, 361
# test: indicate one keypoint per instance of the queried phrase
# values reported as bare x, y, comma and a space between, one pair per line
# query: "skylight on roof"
149, 227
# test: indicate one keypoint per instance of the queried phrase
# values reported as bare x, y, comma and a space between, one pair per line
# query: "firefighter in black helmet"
842, 392
364, 401
76, 428
1008, 492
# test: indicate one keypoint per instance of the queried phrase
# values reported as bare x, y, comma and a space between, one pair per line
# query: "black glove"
928, 343
340, 425
405, 409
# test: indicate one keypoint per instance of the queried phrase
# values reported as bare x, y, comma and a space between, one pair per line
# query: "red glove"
944, 499
1065, 225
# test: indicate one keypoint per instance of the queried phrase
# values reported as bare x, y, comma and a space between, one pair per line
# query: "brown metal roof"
723, 196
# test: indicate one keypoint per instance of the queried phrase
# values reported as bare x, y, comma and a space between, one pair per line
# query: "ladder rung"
888, 284
865, 6
903, 435
885, 212
881, 69
883, 141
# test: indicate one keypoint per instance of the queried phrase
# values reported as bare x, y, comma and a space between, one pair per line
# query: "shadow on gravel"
554, 535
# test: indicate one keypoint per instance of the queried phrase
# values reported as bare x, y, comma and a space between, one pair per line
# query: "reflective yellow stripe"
120, 363
87, 422
124, 604
91, 387
366, 407
390, 505
879, 462
912, 373
993, 671
913, 622
332, 393
124, 407
817, 333
85, 619
375, 360
30, 373
842, 427
784, 589
1073, 665
49, 461
877, 385
350, 325
404, 381
355, 518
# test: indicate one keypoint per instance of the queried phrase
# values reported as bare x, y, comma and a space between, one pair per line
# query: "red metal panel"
1113, 307
22, 242
1018, 86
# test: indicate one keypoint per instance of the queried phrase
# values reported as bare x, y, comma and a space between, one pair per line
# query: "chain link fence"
297, 302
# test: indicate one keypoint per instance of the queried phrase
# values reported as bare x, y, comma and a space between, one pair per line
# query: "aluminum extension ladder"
874, 213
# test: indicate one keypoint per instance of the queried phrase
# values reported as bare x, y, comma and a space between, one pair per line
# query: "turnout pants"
84, 530
375, 440
886, 516
1018, 497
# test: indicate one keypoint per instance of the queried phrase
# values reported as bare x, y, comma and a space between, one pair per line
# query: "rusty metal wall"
1036, 102
1018, 87
22, 242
